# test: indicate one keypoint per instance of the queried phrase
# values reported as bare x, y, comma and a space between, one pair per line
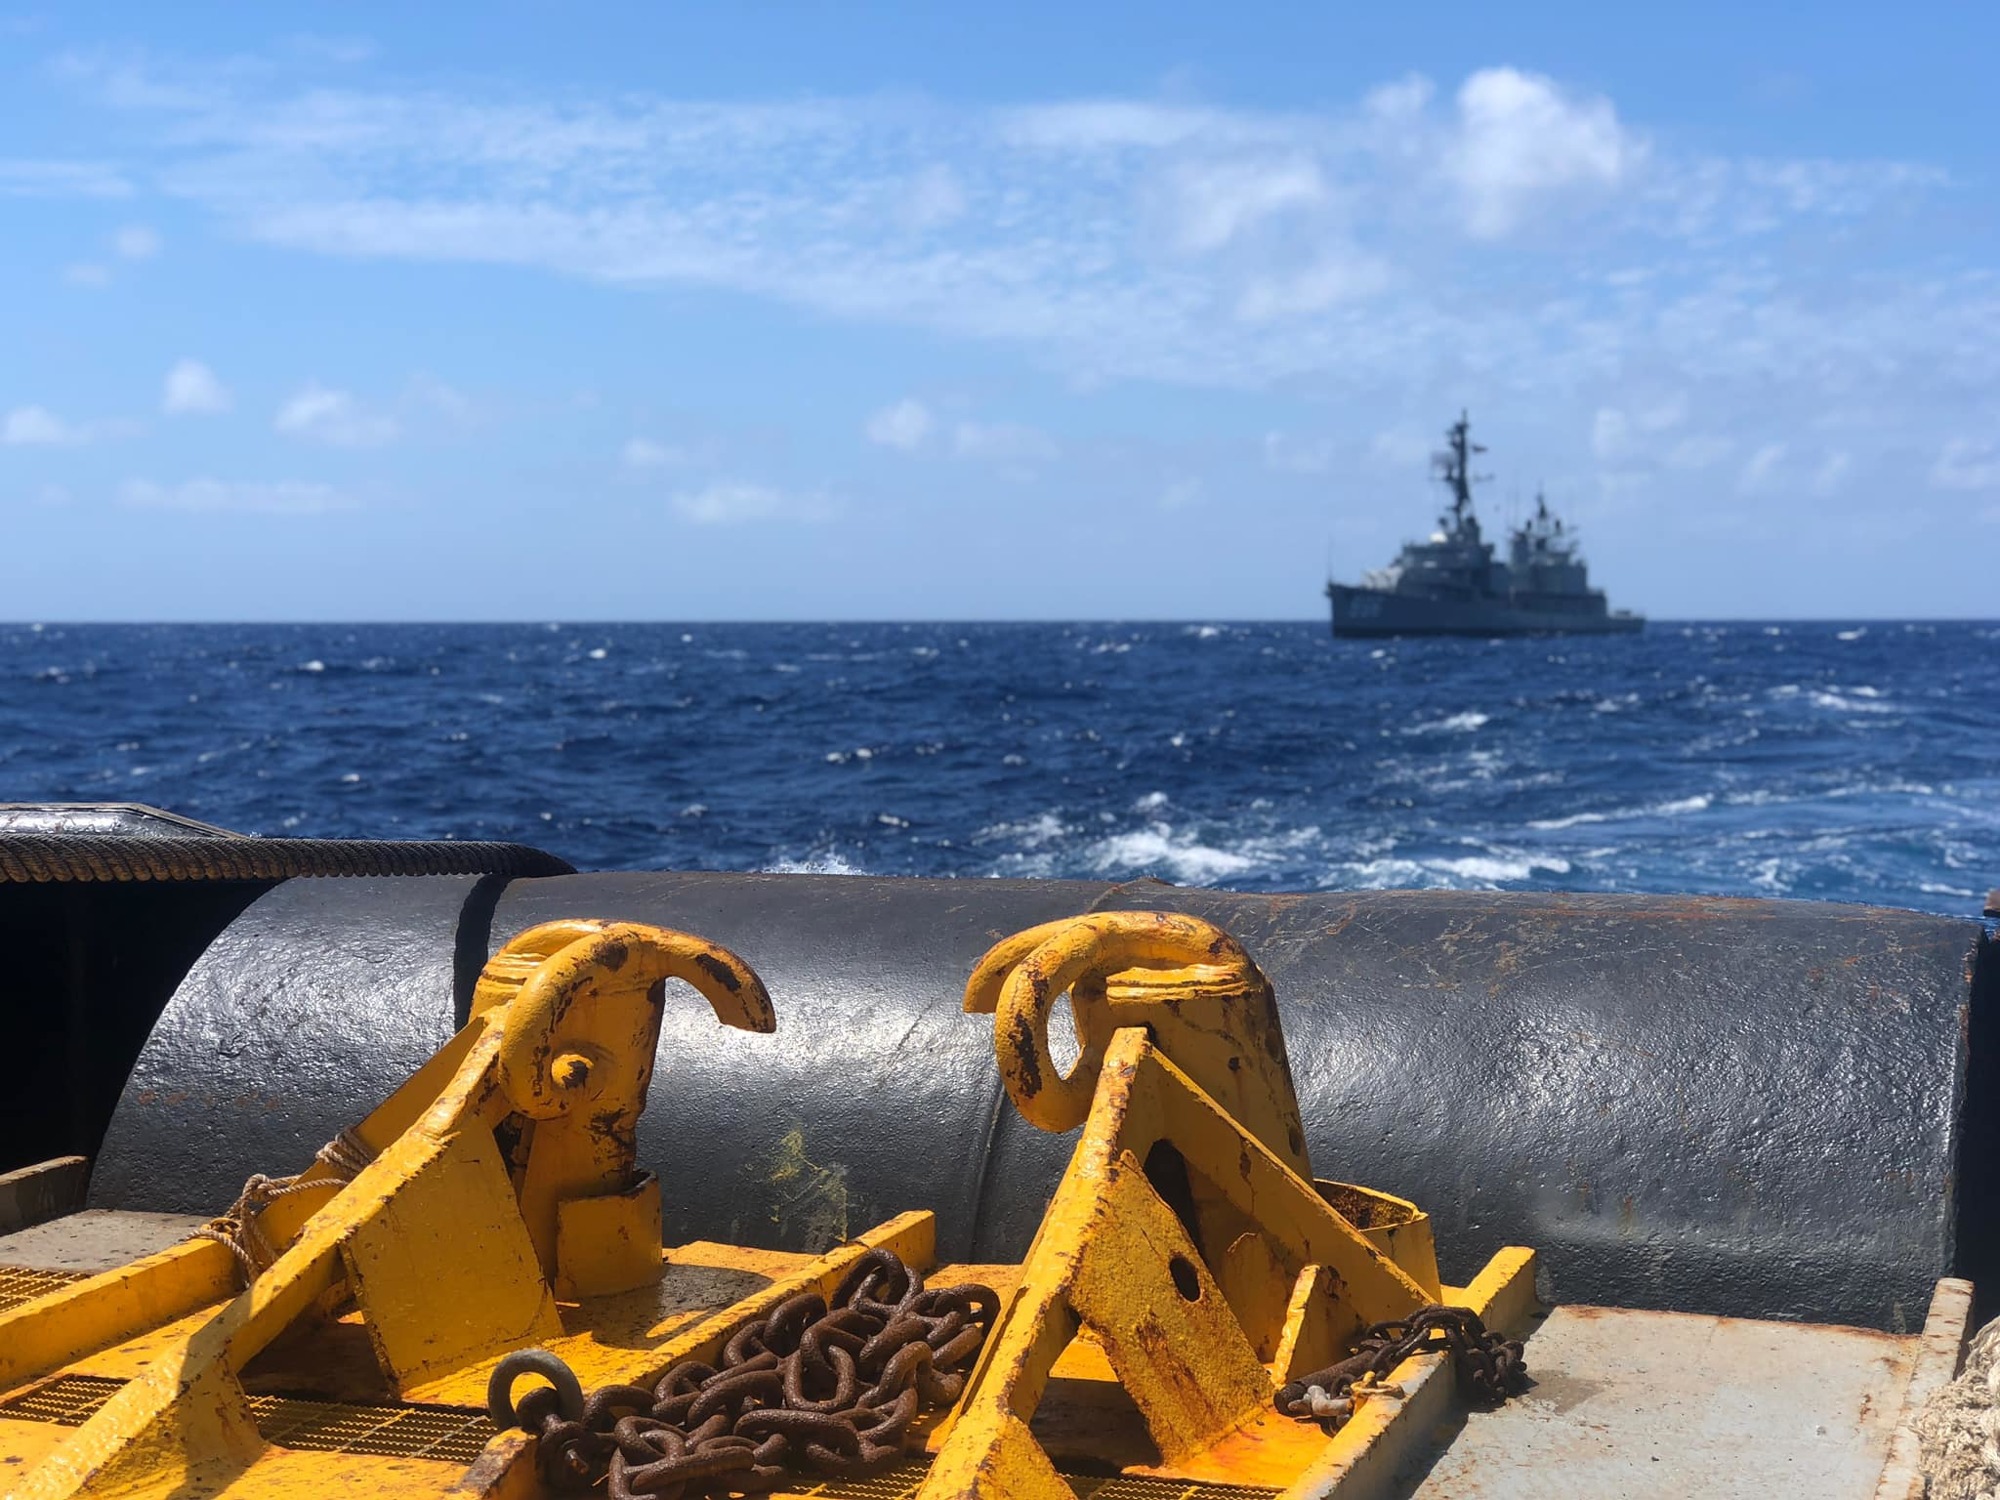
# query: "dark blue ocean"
1853, 763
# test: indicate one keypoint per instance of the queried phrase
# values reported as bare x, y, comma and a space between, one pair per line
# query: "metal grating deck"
901, 1482
70, 1400
19, 1284
443, 1433
450, 1435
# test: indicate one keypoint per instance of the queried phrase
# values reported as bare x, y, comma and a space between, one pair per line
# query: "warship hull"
1383, 612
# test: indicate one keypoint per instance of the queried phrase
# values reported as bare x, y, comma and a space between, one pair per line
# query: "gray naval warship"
1453, 585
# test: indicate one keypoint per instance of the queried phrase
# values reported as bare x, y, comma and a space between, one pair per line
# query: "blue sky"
1139, 311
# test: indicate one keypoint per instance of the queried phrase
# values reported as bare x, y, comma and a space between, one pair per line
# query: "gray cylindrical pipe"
1740, 1107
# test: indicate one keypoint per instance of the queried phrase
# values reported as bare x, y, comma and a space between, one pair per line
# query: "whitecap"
1842, 703
827, 863
1458, 723
1551, 825
1488, 868
1155, 847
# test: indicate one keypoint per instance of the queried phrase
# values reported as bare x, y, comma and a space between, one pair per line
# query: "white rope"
1959, 1427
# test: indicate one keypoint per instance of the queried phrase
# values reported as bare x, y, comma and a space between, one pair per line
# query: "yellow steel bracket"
1187, 1239
504, 1175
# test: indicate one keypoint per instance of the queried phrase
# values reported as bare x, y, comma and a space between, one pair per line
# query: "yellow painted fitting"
447, 1257
610, 1243
1189, 983
577, 1056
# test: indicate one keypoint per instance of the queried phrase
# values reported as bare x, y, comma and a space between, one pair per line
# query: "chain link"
827, 1387
1488, 1366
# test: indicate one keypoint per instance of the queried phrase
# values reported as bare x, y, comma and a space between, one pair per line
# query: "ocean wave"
1679, 807
1721, 760
1156, 848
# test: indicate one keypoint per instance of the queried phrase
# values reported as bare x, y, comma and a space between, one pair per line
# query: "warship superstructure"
1452, 584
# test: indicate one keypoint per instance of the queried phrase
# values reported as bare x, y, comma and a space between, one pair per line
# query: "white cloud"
644, 453
1761, 472
1608, 432
904, 425
85, 273
52, 495
1967, 464
284, 497
37, 426
1002, 442
1290, 455
734, 502
136, 242
318, 414
191, 389
1181, 494
1522, 139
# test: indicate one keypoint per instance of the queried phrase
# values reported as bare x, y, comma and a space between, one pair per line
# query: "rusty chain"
1488, 1366
826, 1387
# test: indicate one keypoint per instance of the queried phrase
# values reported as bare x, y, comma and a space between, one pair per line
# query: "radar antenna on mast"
1453, 468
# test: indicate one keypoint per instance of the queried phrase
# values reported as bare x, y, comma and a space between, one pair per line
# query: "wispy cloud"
736, 502
1286, 454
62, 179
1182, 494
1967, 464
905, 425
322, 415
1120, 238
38, 427
1012, 443
644, 453
1505, 236
136, 242
289, 497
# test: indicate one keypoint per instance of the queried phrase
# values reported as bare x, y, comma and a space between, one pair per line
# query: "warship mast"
1453, 467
